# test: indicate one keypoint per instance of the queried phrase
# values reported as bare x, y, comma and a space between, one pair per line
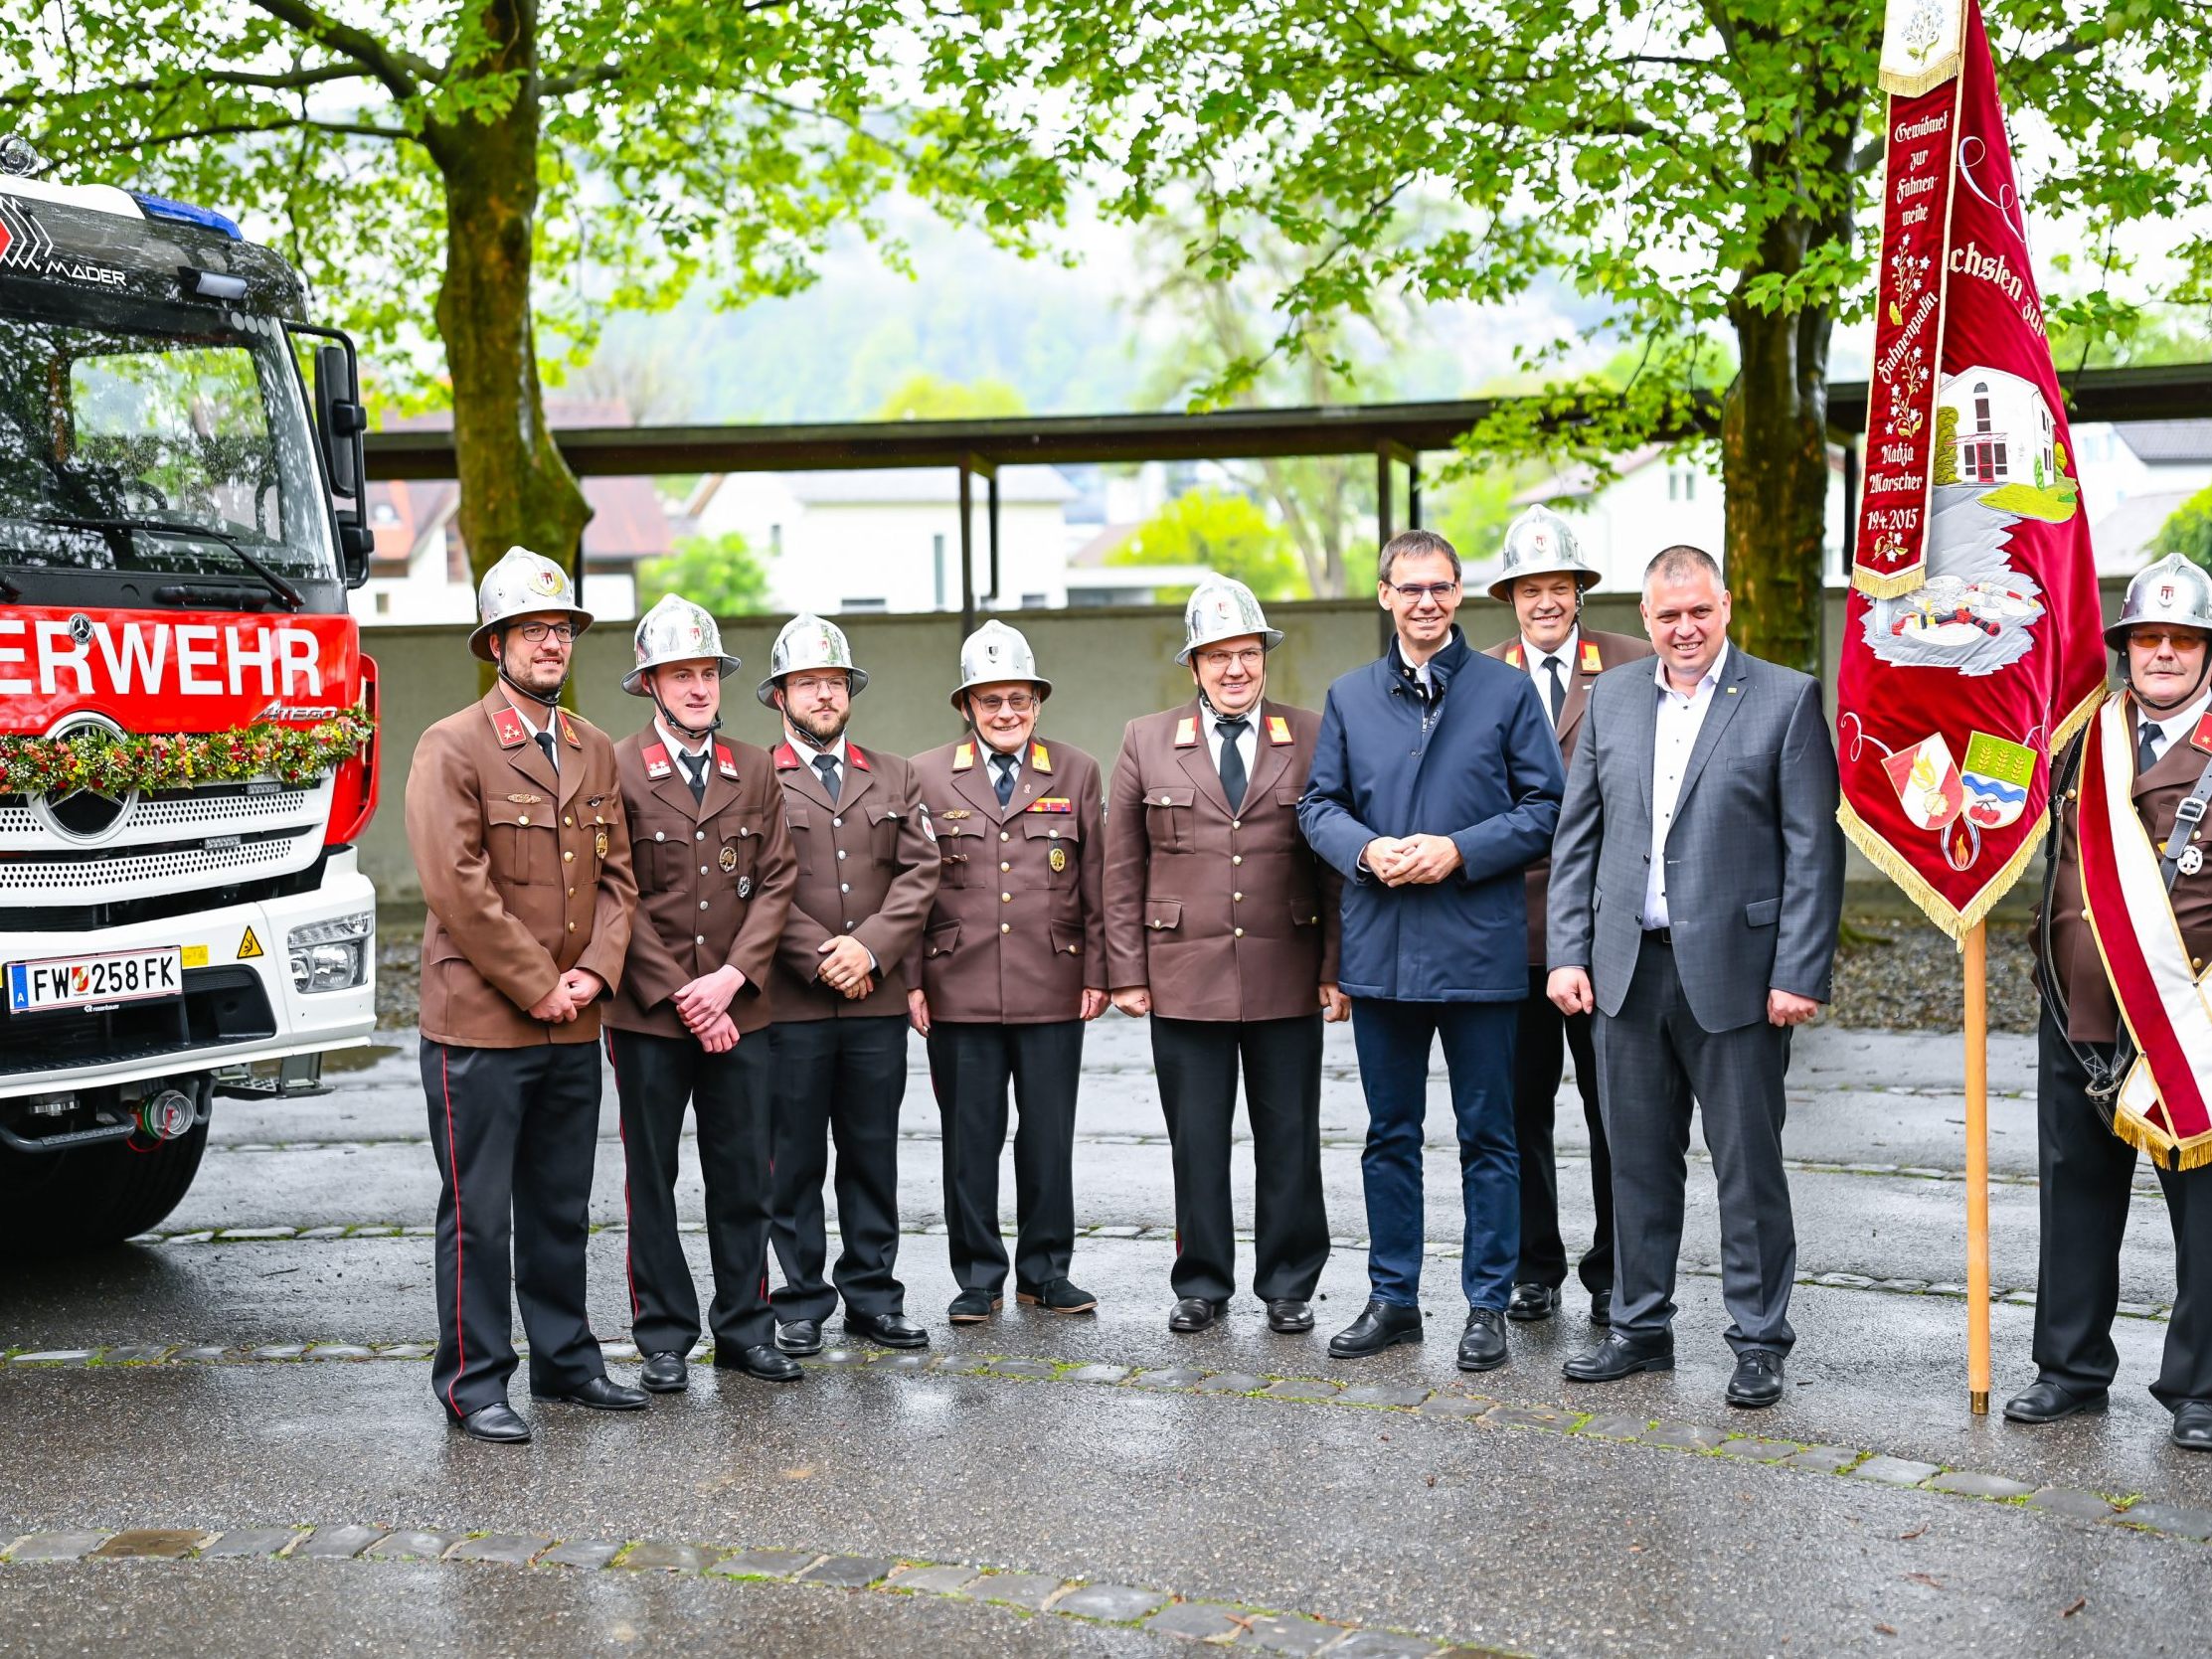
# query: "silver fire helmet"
676, 630
1540, 543
810, 642
1222, 607
2172, 591
996, 652
521, 583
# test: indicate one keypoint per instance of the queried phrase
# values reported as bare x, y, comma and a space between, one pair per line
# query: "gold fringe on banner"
1911, 28
2161, 1148
1915, 887
2063, 732
1878, 586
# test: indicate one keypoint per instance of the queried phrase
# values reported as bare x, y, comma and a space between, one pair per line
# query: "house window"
776, 541
1982, 406
1035, 601
871, 605
384, 604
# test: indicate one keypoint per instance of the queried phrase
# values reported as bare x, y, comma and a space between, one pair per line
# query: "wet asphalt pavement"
1124, 1486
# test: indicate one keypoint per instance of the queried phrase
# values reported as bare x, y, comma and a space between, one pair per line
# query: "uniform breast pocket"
519, 839
801, 823
882, 833
1167, 816
665, 857
958, 850
1057, 838
740, 853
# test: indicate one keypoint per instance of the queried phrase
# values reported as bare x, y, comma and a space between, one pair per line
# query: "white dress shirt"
807, 751
532, 726
1248, 744
1533, 660
2167, 729
680, 747
1680, 718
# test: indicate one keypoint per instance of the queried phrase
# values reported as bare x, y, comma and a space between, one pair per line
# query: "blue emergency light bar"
160, 207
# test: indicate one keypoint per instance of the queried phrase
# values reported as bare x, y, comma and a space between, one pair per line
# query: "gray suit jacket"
1753, 858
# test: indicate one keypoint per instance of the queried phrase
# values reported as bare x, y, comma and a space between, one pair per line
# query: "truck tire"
64, 1203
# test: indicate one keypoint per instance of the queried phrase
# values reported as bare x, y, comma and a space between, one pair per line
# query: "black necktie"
832, 780
545, 742
1003, 764
1559, 688
1233, 760
2147, 748
695, 771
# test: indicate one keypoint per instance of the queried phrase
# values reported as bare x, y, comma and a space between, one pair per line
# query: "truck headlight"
332, 955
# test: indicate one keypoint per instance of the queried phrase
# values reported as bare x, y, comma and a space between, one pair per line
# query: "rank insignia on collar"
1039, 757
599, 844
725, 763
1279, 730
859, 761
1050, 803
568, 733
728, 859
1592, 662
657, 763
2201, 737
1513, 655
786, 757
1186, 732
964, 758
1058, 859
507, 727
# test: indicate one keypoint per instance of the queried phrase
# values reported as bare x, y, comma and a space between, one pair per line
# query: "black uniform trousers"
844, 1079
971, 1066
2088, 1176
654, 1078
514, 1132
1196, 1061
1546, 1037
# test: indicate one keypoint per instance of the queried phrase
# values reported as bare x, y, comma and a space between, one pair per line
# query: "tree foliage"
922, 395
2188, 531
718, 573
1228, 534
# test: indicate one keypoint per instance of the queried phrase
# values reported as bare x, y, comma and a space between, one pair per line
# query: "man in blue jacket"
1436, 781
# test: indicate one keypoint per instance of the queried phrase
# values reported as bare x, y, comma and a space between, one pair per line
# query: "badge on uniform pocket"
599, 844
745, 887
728, 859
1058, 859
2190, 861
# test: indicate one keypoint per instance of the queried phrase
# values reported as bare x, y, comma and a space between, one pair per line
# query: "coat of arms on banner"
1927, 781
1996, 778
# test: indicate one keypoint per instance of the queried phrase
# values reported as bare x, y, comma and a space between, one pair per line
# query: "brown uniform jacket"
867, 866
1221, 914
1018, 930
527, 874
714, 880
2092, 1015
1595, 653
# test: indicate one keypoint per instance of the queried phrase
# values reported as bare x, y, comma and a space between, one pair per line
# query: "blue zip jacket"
1475, 760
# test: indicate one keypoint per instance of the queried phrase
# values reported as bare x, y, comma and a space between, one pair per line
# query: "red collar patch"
657, 763
725, 763
508, 727
859, 761
786, 757
2201, 737
568, 733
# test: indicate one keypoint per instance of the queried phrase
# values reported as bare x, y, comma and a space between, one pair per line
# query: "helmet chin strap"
819, 745
549, 698
2181, 702
697, 733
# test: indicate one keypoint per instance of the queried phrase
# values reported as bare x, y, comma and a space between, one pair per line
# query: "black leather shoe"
496, 1422
893, 1330
974, 1307
1059, 1297
1613, 1356
2192, 1426
1757, 1380
1601, 1309
600, 1393
2049, 1401
1532, 1303
1482, 1344
1383, 1325
762, 1362
1289, 1317
1195, 1313
664, 1373
799, 1336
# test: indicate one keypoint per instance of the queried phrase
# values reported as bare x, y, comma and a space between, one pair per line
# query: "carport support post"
967, 555
1977, 1023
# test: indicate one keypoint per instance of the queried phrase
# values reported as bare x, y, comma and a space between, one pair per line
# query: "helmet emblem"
546, 580
2165, 594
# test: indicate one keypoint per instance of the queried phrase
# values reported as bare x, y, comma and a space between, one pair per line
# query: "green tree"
1228, 534
717, 572
1704, 174
926, 397
532, 164
2188, 531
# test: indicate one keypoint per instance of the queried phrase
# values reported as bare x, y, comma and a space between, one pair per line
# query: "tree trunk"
515, 489
1774, 473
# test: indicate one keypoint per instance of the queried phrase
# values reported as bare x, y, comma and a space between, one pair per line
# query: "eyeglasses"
1247, 659
1016, 702
2152, 640
535, 633
1415, 592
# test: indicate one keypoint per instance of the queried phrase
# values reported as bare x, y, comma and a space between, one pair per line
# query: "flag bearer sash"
2166, 1003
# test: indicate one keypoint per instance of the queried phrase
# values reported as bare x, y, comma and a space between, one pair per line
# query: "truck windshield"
153, 422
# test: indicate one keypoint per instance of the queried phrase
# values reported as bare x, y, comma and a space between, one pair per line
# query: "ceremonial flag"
1971, 648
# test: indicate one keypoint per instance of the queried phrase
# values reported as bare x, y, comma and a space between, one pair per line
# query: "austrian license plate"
81, 981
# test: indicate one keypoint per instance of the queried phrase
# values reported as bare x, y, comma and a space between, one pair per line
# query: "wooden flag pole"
1977, 1169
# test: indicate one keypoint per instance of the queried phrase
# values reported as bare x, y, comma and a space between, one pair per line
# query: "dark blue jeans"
1392, 1039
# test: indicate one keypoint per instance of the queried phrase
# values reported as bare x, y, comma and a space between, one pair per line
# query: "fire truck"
186, 715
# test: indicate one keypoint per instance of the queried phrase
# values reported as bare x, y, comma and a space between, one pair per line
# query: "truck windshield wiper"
188, 532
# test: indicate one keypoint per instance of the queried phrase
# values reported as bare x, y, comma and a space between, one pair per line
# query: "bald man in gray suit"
1697, 881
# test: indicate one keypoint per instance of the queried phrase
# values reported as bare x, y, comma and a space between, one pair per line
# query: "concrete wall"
1107, 664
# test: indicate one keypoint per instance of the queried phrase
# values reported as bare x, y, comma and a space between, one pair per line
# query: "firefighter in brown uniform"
1543, 577
518, 835
689, 1024
2164, 639
1222, 926
867, 874
1011, 965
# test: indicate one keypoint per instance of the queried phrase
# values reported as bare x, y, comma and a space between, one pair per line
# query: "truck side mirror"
341, 423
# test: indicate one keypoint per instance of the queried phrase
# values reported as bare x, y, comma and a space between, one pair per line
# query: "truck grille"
187, 839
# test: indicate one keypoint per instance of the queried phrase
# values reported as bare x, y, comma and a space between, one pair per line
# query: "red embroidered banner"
1972, 647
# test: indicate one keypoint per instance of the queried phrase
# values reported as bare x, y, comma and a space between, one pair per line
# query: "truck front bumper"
240, 1004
